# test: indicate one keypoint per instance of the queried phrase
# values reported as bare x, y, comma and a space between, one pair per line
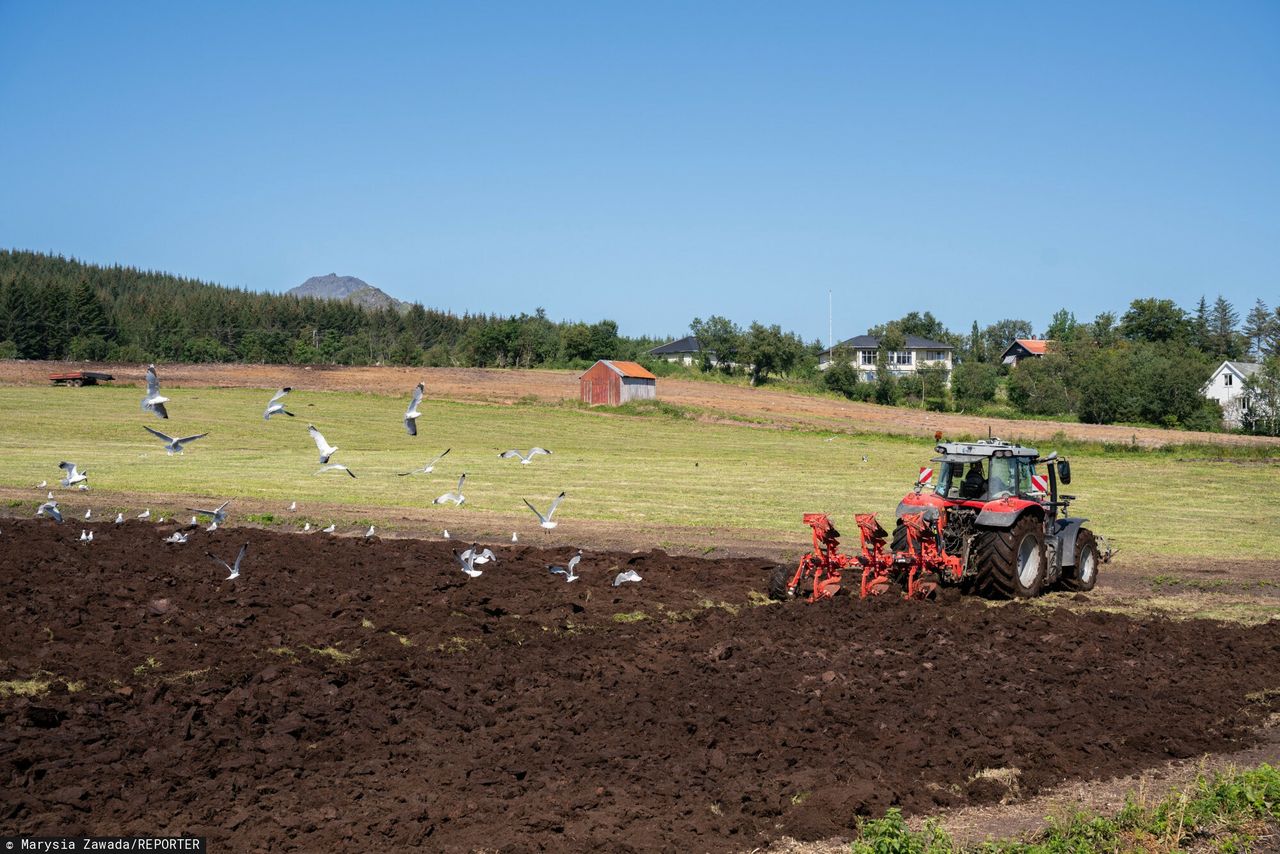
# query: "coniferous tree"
1257, 328
1224, 338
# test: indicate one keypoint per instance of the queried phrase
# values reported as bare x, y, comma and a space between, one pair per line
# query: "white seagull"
326, 450
545, 521
84, 536
336, 467
275, 407
525, 459
154, 401
176, 537
306, 527
428, 468
623, 577
233, 569
567, 572
73, 475
456, 497
368, 535
145, 514
50, 509
119, 518
219, 514
42, 484
446, 534
293, 508
329, 530
468, 563
480, 557
171, 444
412, 414
88, 513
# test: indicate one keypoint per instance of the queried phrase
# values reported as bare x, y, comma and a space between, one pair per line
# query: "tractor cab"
986, 471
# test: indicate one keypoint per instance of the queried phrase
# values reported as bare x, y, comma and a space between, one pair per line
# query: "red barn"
613, 383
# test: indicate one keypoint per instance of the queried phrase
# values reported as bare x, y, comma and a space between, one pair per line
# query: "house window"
900, 357
935, 356
1226, 379
868, 357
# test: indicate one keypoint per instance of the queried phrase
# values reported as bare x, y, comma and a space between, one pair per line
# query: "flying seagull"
176, 537
219, 515
329, 530
172, 445
468, 563
336, 467
233, 569
567, 572
525, 459
326, 450
275, 407
154, 401
73, 475
481, 557
456, 497
545, 521
428, 468
623, 577
50, 509
411, 414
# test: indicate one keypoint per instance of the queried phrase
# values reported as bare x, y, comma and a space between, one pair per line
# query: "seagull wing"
533, 451
159, 410
411, 425
167, 439
281, 393
348, 471
219, 560
69, 468
439, 458
541, 518
506, 455
554, 505
573, 561
461, 480
240, 557
417, 398
153, 383
321, 445
185, 439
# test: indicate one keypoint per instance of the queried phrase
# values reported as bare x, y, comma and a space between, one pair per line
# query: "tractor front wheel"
1011, 561
1084, 575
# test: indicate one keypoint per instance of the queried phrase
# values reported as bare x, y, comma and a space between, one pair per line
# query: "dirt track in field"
348, 693
763, 405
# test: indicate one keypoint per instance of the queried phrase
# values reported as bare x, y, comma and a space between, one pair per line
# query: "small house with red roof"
1024, 348
612, 383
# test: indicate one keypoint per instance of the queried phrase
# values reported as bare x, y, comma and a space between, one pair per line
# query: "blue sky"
652, 162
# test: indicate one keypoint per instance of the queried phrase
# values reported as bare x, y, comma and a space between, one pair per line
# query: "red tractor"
992, 525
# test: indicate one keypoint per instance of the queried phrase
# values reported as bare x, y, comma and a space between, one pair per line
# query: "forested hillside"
53, 307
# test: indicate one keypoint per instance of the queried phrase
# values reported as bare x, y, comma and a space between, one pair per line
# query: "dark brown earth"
345, 692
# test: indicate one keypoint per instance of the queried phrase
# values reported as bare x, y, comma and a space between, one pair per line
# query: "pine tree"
1257, 328
88, 314
1222, 330
1200, 327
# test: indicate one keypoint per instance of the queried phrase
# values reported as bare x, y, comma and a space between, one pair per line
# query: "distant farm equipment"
79, 378
992, 525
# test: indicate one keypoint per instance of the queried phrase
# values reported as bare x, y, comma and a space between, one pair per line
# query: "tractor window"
945, 481
1026, 468
1004, 478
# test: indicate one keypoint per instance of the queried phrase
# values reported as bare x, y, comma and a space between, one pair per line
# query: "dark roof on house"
687, 344
871, 342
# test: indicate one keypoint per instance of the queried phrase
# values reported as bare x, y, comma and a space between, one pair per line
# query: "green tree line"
53, 307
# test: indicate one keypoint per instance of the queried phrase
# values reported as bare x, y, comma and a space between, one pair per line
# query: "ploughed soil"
346, 692
762, 406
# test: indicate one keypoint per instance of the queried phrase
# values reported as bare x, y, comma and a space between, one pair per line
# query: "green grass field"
651, 468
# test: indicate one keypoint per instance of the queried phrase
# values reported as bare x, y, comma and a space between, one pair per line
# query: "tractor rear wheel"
900, 541
1010, 561
1084, 574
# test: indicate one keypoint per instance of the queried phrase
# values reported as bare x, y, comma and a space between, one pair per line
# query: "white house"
686, 351
862, 350
1227, 387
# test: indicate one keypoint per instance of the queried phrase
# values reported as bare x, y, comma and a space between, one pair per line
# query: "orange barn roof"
630, 369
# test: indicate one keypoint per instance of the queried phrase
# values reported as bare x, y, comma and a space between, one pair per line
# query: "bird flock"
468, 560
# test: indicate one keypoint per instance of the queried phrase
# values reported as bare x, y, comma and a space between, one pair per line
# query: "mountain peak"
348, 288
